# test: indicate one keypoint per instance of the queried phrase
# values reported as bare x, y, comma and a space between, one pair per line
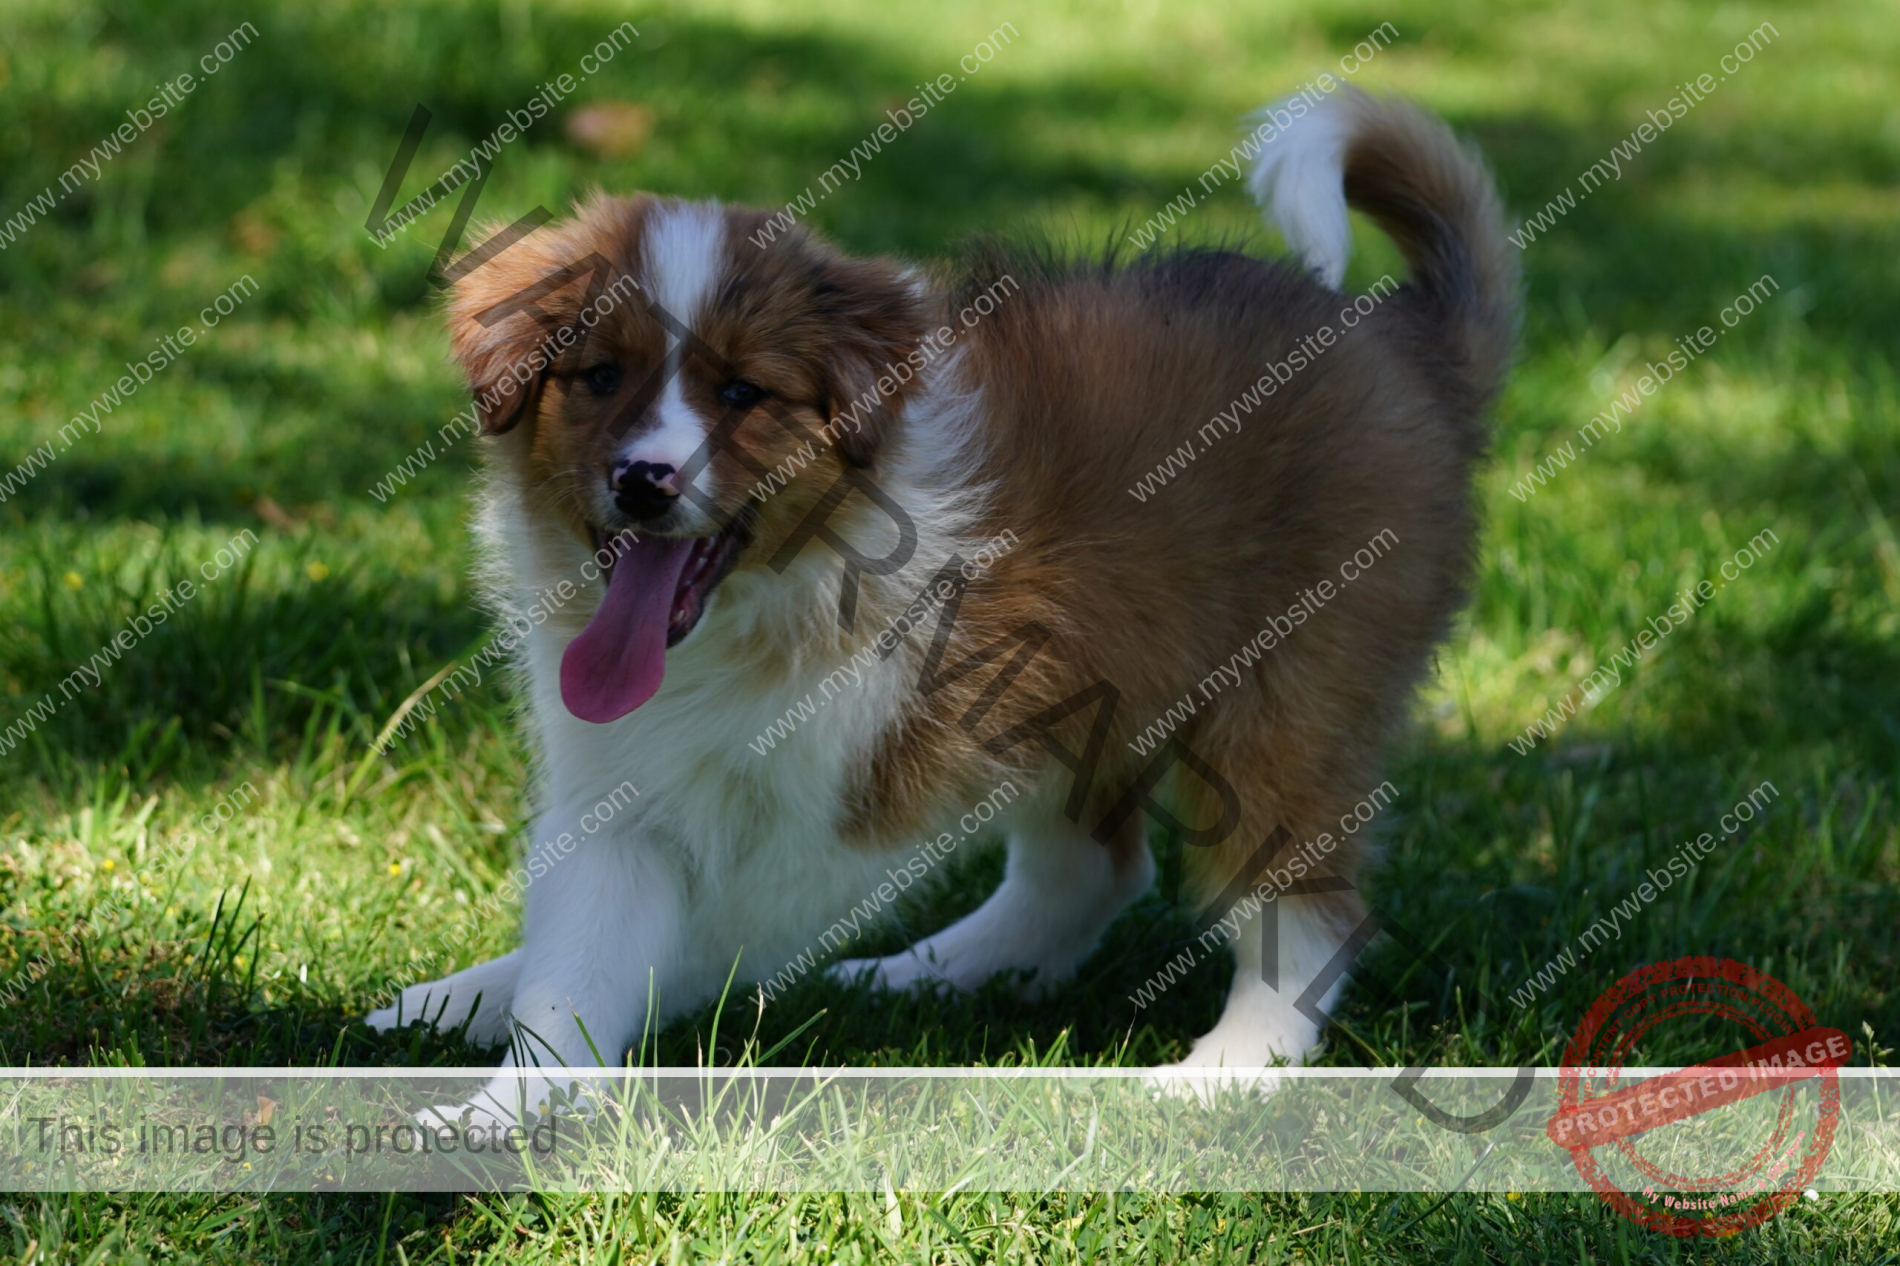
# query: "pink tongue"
616, 663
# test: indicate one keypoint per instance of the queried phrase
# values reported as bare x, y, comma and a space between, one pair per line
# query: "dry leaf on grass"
611, 129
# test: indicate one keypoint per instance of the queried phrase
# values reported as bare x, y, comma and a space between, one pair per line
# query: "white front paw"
445, 1011
383, 1019
899, 973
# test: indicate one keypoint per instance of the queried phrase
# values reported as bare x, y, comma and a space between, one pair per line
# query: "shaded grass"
280, 420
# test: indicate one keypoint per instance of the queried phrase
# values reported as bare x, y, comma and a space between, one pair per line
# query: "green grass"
285, 668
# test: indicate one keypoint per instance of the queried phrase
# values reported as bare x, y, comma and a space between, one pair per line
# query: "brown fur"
806, 323
1090, 376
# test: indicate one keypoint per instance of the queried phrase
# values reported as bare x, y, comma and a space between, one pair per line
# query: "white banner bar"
1707, 1137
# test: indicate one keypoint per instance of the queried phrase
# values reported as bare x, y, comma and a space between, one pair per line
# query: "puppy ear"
500, 334
502, 399
874, 317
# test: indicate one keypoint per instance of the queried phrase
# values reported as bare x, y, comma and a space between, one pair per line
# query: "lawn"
246, 464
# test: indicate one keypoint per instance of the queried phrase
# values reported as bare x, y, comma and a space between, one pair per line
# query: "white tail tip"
1299, 178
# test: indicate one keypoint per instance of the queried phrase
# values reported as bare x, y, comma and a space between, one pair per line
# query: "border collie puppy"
720, 472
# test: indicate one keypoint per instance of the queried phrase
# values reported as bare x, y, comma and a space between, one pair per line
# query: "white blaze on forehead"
685, 256
685, 259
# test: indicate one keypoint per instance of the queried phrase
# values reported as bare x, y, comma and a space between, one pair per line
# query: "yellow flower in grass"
74, 580
315, 570
395, 868
108, 865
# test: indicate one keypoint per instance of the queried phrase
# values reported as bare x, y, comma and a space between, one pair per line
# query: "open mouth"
708, 560
657, 590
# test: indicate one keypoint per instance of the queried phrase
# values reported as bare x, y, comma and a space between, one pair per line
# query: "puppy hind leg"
1286, 980
1060, 891
1281, 885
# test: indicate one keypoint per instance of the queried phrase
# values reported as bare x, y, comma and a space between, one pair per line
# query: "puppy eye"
602, 379
741, 395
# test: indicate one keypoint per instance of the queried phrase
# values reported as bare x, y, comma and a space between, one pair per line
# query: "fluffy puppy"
729, 462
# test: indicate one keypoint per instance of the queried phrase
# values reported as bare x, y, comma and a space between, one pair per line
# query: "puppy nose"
643, 490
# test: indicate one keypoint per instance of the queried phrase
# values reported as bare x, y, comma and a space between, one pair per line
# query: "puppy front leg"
602, 933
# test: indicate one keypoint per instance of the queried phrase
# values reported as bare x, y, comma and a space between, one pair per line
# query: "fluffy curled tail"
1406, 170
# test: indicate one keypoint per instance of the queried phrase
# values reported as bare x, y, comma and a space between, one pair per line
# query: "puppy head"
678, 396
